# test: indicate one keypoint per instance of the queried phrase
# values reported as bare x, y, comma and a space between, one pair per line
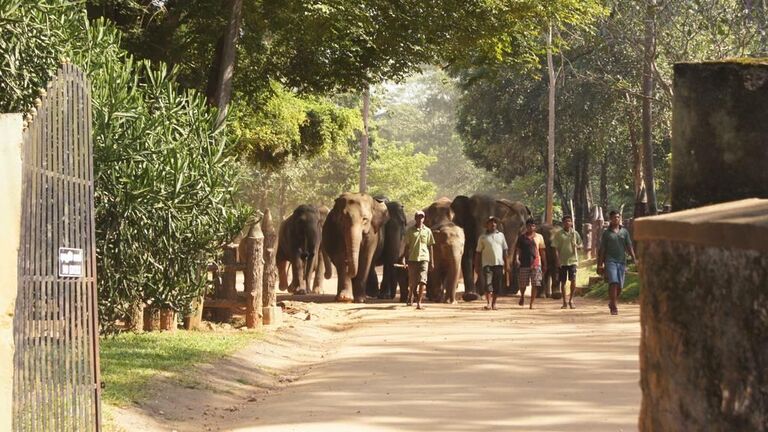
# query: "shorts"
530, 274
417, 273
568, 272
614, 273
494, 278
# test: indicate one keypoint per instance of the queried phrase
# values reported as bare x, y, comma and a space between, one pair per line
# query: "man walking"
566, 244
491, 254
531, 258
418, 252
615, 244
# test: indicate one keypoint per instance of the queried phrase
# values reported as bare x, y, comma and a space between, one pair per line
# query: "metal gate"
56, 362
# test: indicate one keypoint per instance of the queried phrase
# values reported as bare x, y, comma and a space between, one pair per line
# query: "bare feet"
522, 301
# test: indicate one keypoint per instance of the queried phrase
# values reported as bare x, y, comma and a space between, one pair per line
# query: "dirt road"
447, 368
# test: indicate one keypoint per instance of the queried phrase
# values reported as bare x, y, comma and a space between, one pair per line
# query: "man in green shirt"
566, 244
615, 244
418, 252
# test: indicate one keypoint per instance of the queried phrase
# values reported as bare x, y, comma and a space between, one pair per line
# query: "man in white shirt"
491, 252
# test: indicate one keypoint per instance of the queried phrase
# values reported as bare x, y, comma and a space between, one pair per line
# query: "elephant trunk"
353, 237
310, 255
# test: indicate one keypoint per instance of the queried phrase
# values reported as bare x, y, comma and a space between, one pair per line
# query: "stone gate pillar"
10, 220
719, 133
704, 318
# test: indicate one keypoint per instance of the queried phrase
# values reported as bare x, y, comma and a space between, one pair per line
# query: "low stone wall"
704, 317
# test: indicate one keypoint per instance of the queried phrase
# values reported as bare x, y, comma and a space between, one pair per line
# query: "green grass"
631, 290
129, 361
584, 273
630, 293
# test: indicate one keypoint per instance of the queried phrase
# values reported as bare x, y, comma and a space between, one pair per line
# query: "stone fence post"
253, 276
719, 132
272, 313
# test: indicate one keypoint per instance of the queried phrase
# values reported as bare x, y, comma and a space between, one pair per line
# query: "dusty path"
456, 368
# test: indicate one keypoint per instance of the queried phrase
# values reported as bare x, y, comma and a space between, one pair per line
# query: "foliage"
301, 180
502, 108
289, 126
130, 360
164, 177
397, 170
32, 35
422, 111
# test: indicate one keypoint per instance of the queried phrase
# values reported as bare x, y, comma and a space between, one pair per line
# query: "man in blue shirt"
615, 244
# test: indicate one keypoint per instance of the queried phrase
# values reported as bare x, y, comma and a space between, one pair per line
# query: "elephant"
322, 260
298, 243
550, 280
352, 236
471, 214
388, 256
449, 247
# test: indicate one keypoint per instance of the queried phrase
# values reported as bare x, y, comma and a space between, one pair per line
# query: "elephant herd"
362, 232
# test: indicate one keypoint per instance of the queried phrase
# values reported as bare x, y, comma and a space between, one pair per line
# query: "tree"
288, 126
397, 172
649, 57
422, 111
366, 109
551, 94
164, 173
223, 67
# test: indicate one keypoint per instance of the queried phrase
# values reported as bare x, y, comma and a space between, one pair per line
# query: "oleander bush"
165, 173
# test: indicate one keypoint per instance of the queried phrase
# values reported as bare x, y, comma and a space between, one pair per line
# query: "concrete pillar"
10, 220
704, 318
719, 133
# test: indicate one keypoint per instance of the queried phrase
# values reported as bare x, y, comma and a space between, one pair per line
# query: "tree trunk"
548, 211
581, 190
648, 88
364, 141
253, 276
603, 183
269, 298
637, 160
219, 90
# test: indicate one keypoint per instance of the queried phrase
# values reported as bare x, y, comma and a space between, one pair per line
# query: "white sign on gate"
70, 262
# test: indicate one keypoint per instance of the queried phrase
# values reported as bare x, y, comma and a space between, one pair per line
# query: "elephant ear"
462, 210
513, 210
379, 214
